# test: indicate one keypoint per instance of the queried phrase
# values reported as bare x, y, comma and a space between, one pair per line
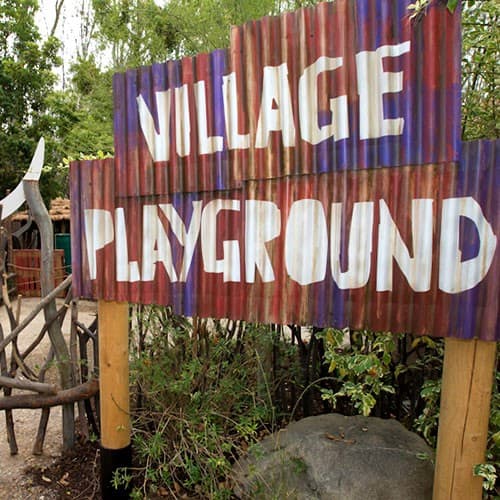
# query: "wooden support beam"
114, 393
464, 415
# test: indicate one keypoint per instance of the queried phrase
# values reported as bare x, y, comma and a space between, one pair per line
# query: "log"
27, 385
67, 396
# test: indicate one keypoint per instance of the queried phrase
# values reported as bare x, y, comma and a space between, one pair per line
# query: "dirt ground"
42, 482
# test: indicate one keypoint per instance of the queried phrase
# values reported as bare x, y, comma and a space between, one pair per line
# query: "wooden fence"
26, 265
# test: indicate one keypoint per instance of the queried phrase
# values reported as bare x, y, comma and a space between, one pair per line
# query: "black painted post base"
111, 460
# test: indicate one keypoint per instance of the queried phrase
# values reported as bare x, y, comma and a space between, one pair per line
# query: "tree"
480, 89
137, 32
26, 80
204, 25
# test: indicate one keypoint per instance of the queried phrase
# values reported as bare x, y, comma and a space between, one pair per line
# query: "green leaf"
452, 5
488, 473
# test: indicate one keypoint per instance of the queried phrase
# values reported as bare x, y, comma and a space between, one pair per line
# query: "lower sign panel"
407, 249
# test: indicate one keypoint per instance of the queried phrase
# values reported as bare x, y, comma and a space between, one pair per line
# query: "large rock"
335, 457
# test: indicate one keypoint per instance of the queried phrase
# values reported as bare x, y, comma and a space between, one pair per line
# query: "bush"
204, 395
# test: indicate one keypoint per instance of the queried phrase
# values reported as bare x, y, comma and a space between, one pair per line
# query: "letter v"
158, 142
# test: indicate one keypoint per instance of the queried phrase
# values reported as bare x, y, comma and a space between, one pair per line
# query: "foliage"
87, 111
480, 89
493, 449
203, 397
26, 79
204, 26
379, 373
137, 32
427, 422
419, 8
361, 367
206, 391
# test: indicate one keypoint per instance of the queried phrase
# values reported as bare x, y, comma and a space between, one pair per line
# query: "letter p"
99, 231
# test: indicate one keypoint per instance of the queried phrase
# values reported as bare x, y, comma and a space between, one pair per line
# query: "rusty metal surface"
289, 250
306, 202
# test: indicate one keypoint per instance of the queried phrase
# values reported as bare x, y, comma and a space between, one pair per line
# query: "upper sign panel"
344, 85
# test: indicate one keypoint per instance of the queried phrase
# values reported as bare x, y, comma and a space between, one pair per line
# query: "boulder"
336, 457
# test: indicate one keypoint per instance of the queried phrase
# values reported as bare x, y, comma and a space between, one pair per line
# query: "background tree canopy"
26, 79
76, 117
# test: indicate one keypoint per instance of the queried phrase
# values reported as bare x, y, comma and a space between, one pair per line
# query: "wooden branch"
68, 396
59, 5
9, 418
6, 302
44, 223
46, 364
17, 362
28, 385
60, 317
73, 349
42, 430
61, 351
29, 318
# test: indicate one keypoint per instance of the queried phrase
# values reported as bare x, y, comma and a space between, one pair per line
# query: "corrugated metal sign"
344, 85
309, 174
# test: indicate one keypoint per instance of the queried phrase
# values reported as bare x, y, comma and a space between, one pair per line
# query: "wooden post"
463, 423
114, 394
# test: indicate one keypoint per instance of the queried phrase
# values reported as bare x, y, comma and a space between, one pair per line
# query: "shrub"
203, 396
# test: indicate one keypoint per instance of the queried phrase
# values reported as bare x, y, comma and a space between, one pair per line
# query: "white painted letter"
359, 247
275, 93
417, 269
306, 242
235, 140
262, 224
455, 275
308, 105
99, 232
187, 238
182, 121
206, 144
155, 245
229, 265
373, 83
158, 142
125, 270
